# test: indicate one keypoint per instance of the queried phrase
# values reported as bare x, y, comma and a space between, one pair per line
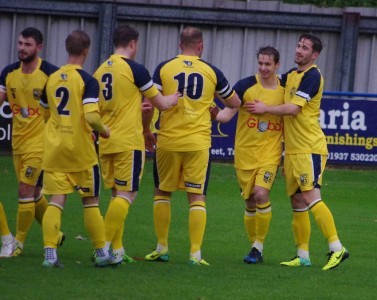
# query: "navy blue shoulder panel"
243, 85
141, 74
8, 69
91, 84
156, 73
48, 68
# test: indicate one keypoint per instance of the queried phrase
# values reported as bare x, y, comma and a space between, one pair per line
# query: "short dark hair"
33, 33
124, 34
270, 51
191, 36
76, 42
316, 41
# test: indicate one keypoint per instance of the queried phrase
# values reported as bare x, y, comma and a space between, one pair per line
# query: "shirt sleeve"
308, 88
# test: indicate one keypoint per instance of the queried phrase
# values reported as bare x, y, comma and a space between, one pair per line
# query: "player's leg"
28, 168
249, 218
89, 181
246, 180
128, 168
166, 173
322, 213
300, 223
117, 246
161, 218
115, 218
58, 186
264, 180
262, 223
196, 170
31, 203
51, 225
197, 225
8, 243
41, 204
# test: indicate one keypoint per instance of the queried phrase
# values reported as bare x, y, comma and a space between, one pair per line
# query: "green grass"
350, 194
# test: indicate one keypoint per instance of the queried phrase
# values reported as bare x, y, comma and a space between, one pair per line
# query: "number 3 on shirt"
107, 91
190, 84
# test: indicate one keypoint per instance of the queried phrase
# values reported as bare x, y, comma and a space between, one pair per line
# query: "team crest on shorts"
304, 179
267, 177
30, 171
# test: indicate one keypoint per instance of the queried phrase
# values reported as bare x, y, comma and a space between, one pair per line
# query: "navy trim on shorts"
40, 180
97, 180
207, 174
137, 162
317, 166
156, 179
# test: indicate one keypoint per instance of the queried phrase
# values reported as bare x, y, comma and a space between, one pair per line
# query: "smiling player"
258, 147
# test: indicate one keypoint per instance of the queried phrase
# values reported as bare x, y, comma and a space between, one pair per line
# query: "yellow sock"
197, 224
51, 225
301, 229
4, 228
40, 208
95, 226
249, 220
117, 242
115, 217
25, 217
325, 221
162, 217
263, 218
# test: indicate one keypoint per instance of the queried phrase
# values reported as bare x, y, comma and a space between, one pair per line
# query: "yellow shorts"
248, 179
122, 170
28, 168
87, 182
182, 170
303, 172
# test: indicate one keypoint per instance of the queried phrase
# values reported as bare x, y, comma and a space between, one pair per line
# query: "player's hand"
214, 110
150, 141
146, 107
173, 98
106, 134
256, 107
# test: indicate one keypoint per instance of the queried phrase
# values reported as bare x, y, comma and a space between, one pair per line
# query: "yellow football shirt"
70, 93
258, 140
123, 83
303, 133
24, 90
187, 126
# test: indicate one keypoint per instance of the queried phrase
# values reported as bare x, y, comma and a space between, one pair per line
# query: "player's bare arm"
259, 108
226, 114
147, 110
165, 102
232, 102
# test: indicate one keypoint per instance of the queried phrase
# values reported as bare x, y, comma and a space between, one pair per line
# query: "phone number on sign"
352, 156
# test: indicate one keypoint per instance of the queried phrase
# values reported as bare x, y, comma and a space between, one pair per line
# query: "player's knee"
26, 190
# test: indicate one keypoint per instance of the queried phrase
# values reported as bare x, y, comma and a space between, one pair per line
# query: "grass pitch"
350, 194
